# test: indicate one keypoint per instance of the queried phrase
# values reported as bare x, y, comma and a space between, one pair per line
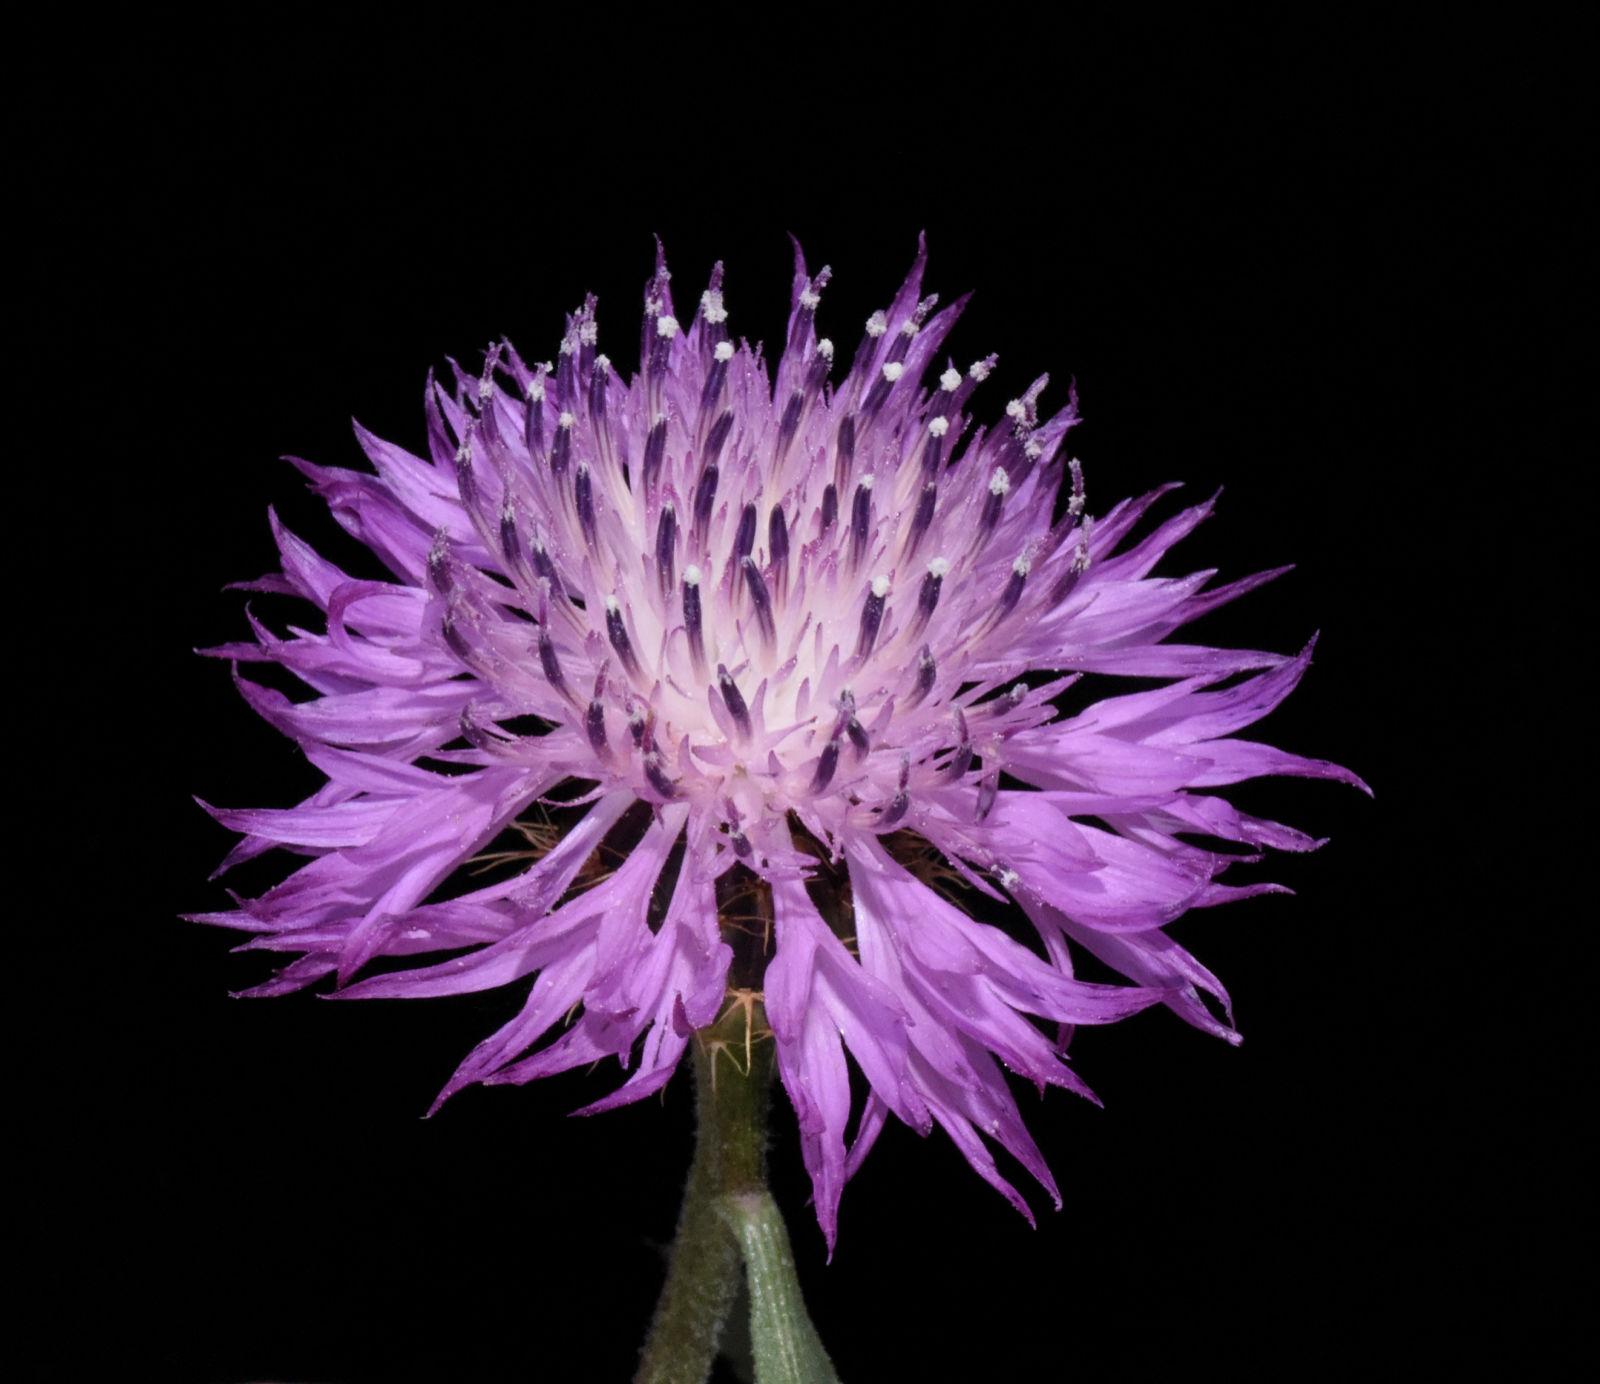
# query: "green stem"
733, 1078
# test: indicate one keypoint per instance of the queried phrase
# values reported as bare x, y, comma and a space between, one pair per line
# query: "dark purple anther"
858, 737
705, 499
827, 762
597, 392
988, 790
932, 455
1064, 585
533, 424
595, 724
458, 644
719, 434
551, 664
871, 616
922, 519
927, 671
617, 632
561, 450
715, 378
739, 841
691, 619
1013, 592
439, 564
661, 346
473, 733
992, 506
667, 548
655, 448
466, 481
778, 537
583, 501
830, 507
744, 541
928, 596
657, 776
566, 379
733, 699
510, 545
544, 567
791, 421
877, 394
760, 601
860, 519
844, 454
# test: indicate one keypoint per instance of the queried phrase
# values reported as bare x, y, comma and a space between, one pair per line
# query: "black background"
1326, 267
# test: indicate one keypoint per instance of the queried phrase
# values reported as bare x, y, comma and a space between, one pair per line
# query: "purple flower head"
773, 629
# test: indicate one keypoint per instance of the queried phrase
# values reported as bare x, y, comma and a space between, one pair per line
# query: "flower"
763, 629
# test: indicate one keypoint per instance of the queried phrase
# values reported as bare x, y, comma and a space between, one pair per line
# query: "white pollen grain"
566, 420
877, 324
981, 368
666, 326
949, 380
938, 566
880, 586
999, 483
724, 350
939, 427
893, 370
825, 348
691, 575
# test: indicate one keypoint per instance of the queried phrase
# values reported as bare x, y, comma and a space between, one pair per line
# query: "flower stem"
733, 1077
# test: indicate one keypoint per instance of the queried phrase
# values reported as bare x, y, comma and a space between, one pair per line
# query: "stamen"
617, 632
988, 790
744, 539
583, 501
705, 499
922, 518
827, 763
830, 507
872, 616
657, 776
928, 596
778, 548
901, 802
844, 451
927, 672
595, 724
719, 434
561, 448
860, 520
552, 665
655, 448
691, 618
761, 602
667, 548
733, 699
961, 761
